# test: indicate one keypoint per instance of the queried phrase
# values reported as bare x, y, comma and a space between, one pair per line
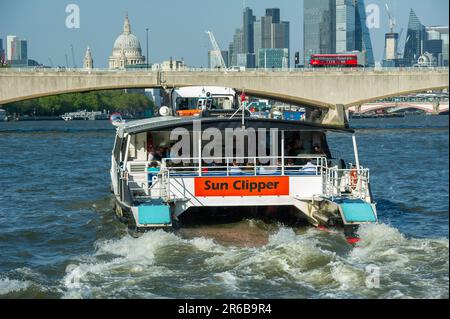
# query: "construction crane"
392, 22
216, 52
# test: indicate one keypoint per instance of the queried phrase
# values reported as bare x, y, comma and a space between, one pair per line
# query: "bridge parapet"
227, 71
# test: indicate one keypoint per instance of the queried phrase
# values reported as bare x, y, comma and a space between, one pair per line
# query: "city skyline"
184, 39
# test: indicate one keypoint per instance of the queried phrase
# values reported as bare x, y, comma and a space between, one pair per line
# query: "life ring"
353, 178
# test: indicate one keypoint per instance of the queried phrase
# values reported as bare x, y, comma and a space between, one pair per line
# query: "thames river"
59, 238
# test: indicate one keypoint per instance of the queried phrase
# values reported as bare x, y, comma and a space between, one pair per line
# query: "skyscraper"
237, 46
363, 41
19, 52
336, 26
230, 54
277, 58
272, 34
438, 35
2, 52
280, 35
9, 41
257, 39
345, 26
266, 32
319, 28
269, 32
416, 36
249, 20
275, 14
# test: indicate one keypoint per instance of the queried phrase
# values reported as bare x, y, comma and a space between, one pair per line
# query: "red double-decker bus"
334, 60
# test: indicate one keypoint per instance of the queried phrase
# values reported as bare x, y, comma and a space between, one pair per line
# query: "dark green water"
58, 237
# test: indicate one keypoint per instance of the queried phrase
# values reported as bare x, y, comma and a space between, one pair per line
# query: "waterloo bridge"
336, 90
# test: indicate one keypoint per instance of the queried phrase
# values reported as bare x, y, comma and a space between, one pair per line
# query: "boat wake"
293, 263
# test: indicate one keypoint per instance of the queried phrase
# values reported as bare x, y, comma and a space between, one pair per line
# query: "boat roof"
198, 91
168, 123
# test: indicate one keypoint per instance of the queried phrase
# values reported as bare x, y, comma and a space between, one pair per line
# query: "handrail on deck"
252, 166
347, 183
337, 183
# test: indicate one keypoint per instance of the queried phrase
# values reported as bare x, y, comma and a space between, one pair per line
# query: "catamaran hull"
347, 215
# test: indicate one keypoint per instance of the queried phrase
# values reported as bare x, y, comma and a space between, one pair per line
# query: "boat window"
183, 104
223, 103
188, 103
306, 143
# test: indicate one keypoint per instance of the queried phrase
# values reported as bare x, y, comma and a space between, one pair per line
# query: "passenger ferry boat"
292, 173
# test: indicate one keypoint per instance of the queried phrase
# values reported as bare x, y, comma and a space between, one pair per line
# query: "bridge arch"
403, 106
296, 100
396, 94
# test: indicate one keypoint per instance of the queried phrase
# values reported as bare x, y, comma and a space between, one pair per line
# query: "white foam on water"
309, 260
131, 257
142, 248
287, 257
346, 276
205, 244
8, 286
230, 280
408, 267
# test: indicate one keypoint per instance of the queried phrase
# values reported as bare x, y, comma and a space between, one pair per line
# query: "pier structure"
84, 115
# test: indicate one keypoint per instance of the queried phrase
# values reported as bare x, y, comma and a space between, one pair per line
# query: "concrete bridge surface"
335, 90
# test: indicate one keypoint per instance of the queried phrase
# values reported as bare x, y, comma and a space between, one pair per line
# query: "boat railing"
145, 184
311, 165
347, 183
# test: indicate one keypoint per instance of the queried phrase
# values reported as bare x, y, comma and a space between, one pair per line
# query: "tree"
114, 100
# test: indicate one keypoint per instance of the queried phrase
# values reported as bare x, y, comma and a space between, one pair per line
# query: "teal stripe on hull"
358, 211
154, 215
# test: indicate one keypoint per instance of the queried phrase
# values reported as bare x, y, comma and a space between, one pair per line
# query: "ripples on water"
57, 228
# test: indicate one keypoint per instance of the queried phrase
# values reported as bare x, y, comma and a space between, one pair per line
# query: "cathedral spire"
127, 26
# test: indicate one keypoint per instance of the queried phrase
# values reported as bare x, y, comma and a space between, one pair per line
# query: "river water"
59, 239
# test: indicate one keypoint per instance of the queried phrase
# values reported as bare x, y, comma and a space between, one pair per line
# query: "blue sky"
177, 27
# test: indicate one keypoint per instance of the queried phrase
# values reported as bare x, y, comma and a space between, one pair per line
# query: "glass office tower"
345, 26
363, 41
319, 28
249, 20
276, 58
416, 36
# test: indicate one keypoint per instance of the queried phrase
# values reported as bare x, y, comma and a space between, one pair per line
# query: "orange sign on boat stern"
241, 186
183, 113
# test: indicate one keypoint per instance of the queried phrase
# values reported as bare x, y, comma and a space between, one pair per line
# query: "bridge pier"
436, 105
336, 116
